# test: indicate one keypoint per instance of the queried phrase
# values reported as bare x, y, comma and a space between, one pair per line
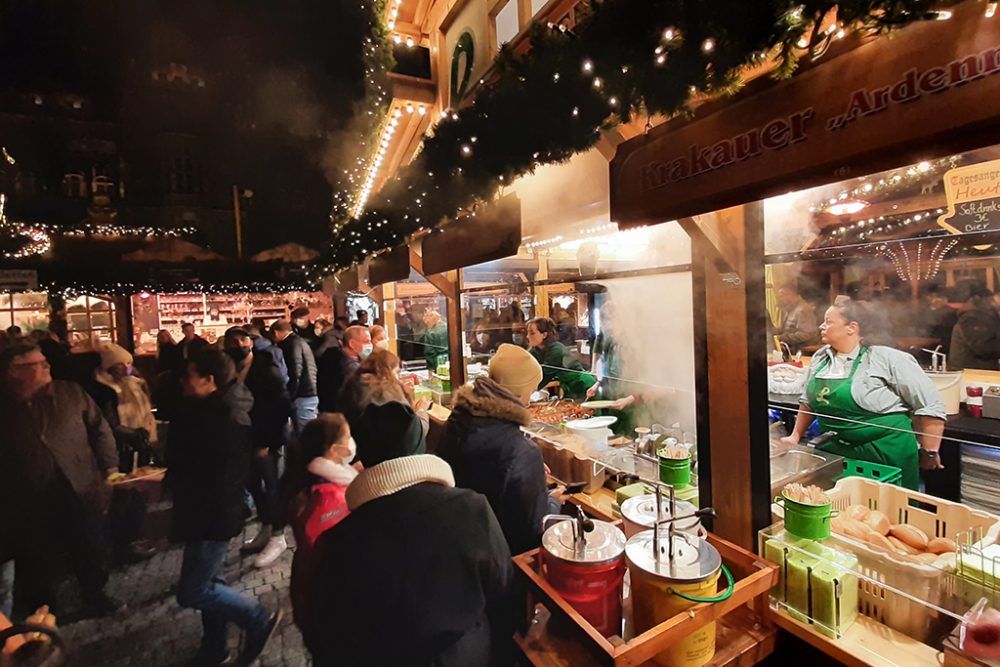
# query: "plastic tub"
874, 471
937, 518
949, 385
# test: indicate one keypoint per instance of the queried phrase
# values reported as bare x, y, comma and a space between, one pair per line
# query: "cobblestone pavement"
156, 632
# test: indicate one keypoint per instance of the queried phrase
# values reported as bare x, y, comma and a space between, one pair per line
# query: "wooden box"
754, 578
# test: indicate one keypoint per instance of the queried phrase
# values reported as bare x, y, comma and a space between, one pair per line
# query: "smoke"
788, 227
651, 319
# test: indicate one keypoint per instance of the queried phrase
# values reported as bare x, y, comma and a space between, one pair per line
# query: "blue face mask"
367, 350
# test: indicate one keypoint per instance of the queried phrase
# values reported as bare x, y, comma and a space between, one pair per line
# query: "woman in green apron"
878, 400
558, 363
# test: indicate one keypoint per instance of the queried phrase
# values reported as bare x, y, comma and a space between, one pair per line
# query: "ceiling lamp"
847, 207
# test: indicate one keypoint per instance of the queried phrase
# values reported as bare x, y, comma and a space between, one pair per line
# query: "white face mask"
352, 448
367, 350
482, 338
518, 339
383, 344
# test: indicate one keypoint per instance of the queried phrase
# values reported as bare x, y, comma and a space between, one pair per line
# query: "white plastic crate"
926, 583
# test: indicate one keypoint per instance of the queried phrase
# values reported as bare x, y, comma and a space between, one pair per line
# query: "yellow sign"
973, 194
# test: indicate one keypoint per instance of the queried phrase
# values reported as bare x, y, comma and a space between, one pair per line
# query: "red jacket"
315, 510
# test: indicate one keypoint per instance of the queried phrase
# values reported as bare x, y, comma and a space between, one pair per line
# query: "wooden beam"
439, 280
450, 285
736, 388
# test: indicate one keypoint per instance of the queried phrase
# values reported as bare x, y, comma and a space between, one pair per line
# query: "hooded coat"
382, 421
208, 460
318, 508
418, 574
490, 454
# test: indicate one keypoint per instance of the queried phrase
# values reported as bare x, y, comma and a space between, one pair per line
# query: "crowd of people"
963, 320
319, 430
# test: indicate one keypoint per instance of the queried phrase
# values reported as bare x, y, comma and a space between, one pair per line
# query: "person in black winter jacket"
490, 454
301, 374
975, 339
417, 574
208, 457
268, 419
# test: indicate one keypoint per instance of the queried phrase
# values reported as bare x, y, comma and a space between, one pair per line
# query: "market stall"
915, 212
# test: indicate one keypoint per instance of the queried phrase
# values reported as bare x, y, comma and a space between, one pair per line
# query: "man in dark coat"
56, 456
269, 419
303, 327
417, 574
975, 340
263, 344
208, 457
301, 374
190, 344
337, 366
490, 454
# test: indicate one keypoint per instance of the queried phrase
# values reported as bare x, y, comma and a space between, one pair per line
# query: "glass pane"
29, 320
4, 300
914, 251
78, 321
99, 304
39, 300
5, 319
100, 320
507, 25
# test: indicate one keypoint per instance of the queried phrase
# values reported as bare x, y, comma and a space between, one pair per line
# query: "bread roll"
879, 522
858, 512
903, 547
880, 542
926, 559
941, 545
910, 535
856, 529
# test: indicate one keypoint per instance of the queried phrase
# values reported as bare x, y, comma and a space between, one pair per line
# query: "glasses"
43, 365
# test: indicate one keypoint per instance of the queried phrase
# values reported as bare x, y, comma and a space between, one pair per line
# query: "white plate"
593, 422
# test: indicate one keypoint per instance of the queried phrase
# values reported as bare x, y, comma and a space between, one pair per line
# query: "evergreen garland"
624, 57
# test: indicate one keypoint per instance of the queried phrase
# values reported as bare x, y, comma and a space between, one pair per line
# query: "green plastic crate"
875, 471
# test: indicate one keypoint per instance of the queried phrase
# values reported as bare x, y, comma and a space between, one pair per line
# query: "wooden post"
730, 247
389, 315
239, 224
456, 355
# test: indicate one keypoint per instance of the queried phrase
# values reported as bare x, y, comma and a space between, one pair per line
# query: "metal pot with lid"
584, 560
639, 513
671, 571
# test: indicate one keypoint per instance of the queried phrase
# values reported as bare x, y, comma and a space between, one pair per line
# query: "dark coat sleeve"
497, 579
293, 360
99, 435
525, 500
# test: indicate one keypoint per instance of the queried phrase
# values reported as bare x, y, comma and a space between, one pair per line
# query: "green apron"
867, 441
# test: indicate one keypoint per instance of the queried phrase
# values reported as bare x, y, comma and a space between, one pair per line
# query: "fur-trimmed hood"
486, 398
376, 391
335, 473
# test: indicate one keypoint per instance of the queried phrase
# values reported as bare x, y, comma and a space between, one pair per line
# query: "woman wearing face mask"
519, 336
380, 337
878, 400
559, 366
326, 449
483, 339
376, 396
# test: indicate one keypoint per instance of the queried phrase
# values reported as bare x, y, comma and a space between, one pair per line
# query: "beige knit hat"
112, 354
515, 369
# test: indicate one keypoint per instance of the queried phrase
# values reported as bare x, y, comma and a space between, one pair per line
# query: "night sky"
284, 77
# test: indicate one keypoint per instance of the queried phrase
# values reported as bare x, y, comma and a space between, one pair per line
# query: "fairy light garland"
912, 272
893, 181
598, 84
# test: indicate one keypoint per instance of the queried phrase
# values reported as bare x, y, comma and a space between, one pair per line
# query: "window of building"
506, 23
74, 185
28, 310
183, 175
91, 321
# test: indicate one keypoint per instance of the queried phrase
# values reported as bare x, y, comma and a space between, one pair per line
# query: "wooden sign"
18, 280
389, 266
493, 233
973, 195
929, 91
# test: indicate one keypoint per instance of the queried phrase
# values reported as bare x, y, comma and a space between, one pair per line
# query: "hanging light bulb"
588, 66
708, 45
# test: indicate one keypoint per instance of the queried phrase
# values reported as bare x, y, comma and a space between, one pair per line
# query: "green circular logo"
462, 61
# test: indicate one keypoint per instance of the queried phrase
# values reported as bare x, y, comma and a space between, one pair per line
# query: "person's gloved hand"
982, 638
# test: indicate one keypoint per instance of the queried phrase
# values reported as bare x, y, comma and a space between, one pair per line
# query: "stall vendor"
882, 406
558, 363
435, 340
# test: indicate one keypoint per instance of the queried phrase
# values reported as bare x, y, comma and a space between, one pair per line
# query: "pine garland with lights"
623, 58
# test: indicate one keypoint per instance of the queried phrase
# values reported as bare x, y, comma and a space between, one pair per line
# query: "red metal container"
585, 561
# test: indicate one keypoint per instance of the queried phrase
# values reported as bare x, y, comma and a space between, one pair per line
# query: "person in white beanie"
417, 574
127, 407
490, 454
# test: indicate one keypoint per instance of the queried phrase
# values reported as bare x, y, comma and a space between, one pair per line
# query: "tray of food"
558, 412
140, 473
